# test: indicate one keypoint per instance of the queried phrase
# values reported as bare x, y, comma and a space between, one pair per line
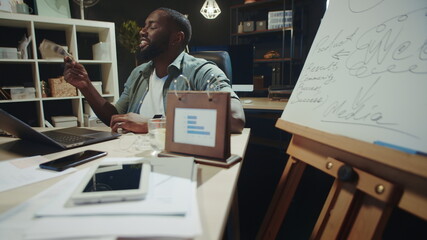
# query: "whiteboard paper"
366, 74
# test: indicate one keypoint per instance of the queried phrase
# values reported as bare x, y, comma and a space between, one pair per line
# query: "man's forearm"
102, 108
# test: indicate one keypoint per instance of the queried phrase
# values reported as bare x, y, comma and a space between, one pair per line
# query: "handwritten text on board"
366, 74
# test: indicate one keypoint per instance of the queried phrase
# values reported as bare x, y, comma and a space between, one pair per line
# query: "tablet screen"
114, 178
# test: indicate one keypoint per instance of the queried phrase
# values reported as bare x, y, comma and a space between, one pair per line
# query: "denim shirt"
197, 70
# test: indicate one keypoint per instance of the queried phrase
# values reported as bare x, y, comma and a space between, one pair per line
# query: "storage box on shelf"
91, 43
90, 118
61, 88
93, 121
19, 92
279, 19
64, 121
8, 53
260, 25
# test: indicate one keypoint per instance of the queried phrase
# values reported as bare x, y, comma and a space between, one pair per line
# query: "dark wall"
313, 13
205, 32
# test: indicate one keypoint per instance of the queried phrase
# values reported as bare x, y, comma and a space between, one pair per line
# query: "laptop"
64, 138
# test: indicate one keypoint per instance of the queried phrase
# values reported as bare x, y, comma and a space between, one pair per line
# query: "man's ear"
177, 38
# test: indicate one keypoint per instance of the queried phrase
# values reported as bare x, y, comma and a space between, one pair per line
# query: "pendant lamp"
210, 9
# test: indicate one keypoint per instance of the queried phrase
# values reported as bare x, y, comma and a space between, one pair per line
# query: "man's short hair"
181, 21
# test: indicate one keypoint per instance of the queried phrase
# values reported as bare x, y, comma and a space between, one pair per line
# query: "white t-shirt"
153, 101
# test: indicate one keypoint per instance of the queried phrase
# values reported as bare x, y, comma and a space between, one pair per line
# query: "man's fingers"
68, 59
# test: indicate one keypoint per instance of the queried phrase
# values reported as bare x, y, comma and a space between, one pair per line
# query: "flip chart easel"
361, 84
359, 204
198, 124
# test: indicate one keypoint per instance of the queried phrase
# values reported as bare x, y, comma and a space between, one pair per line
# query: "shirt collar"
146, 71
174, 67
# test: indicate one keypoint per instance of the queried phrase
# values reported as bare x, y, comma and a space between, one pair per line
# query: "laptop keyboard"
66, 138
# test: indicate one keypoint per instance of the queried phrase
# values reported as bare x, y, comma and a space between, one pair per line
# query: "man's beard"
151, 51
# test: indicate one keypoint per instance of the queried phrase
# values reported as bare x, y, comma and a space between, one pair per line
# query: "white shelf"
79, 36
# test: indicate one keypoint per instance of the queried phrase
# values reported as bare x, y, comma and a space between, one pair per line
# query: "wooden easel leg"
371, 219
324, 214
335, 210
282, 199
351, 212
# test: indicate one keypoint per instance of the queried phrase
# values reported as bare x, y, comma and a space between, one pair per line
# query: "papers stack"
169, 210
23, 171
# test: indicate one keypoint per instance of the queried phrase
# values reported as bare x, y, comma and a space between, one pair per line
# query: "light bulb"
210, 9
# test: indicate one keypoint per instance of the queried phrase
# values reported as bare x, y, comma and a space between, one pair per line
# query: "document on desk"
21, 223
22, 171
167, 195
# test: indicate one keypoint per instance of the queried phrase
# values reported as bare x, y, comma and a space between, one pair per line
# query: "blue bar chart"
195, 126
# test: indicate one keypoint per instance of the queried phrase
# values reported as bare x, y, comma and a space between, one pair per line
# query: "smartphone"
72, 160
111, 182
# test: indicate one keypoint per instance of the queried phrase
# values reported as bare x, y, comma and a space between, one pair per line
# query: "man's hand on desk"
129, 122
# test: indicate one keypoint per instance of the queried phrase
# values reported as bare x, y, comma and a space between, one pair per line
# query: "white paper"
167, 195
187, 226
366, 74
22, 171
19, 223
195, 126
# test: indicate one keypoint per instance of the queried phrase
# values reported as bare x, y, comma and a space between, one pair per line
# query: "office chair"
220, 58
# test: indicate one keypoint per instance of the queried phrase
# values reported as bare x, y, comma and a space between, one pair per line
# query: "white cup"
157, 134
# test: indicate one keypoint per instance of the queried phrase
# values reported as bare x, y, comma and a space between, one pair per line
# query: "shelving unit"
287, 41
78, 36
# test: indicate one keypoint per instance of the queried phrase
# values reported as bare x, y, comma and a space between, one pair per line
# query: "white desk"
215, 191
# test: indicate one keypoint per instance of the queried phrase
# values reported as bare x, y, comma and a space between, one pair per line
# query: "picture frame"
53, 8
198, 125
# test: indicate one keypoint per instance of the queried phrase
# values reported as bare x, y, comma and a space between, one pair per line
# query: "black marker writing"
385, 49
358, 6
327, 43
358, 111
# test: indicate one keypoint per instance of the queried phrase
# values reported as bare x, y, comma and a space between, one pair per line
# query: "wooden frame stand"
370, 181
187, 130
